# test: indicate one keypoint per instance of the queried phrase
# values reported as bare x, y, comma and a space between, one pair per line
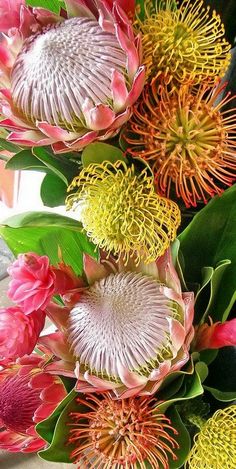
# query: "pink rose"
33, 282
18, 332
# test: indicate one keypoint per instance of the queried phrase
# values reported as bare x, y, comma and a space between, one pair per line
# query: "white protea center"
122, 320
58, 68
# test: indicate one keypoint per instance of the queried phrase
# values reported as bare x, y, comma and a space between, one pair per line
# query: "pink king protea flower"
27, 395
19, 332
71, 79
130, 327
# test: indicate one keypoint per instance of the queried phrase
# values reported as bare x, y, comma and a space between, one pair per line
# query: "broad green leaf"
57, 428
52, 5
60, 166
209, 239
27, 161
98, 152
44, 233
202, 370
53, 191
224, 396
191, 388
3, 157
182, 438
46, 428
8, 146
207, 294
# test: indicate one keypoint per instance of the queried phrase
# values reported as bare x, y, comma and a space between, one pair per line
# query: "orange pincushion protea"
124, 433
187, 138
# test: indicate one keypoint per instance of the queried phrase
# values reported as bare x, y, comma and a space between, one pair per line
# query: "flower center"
122, 434
60, 67
122, 320
18, 403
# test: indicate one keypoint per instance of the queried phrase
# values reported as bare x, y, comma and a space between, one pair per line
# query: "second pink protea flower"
27, 395
71, 79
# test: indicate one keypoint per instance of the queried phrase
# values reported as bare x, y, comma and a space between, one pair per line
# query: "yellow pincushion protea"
121, 212
183, 44
215, 445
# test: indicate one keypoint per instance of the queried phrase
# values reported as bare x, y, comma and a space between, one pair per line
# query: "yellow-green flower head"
183, 44
215, 445
121, 212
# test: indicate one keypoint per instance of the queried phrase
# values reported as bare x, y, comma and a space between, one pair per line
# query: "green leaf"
191, 388
46, 428
53, 191
206, 296
221, 381
3, 157
59, 165
182, 438
52, 5
44, 233
224, 396
25, 160
209, 239
8, 146
98, 152
57, 428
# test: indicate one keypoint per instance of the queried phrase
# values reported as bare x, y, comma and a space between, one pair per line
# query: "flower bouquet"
128, 109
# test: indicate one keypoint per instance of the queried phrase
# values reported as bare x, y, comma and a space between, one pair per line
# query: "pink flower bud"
33, 282
216, 335
19, 332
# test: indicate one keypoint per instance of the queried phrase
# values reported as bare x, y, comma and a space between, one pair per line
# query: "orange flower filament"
187, 138
121, 434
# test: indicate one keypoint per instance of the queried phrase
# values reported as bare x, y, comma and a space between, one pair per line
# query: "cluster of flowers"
123, 329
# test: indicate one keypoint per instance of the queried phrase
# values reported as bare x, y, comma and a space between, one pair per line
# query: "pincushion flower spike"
131, 326
121, 212
215, 445
68, 80
28, 395
113, 434
187, 138
183, 43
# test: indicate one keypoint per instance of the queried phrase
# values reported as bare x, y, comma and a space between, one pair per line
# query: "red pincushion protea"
27, 395
71, 79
